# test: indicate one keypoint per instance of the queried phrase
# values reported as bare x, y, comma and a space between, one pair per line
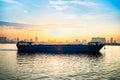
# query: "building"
99, 39
115, 41
111, 40
84, 41
3, 39
36, 39
76, 41
108, 41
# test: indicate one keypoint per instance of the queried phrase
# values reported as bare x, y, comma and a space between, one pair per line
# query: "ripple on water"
40, 66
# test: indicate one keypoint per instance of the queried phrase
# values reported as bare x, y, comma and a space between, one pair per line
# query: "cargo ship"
91, 47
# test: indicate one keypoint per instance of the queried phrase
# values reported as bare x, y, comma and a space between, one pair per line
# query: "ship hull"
60, 48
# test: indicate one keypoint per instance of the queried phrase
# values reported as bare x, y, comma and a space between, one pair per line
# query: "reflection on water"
54, 66
8, 65
40, 66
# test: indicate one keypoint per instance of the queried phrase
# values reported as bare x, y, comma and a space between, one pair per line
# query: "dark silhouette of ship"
91, 47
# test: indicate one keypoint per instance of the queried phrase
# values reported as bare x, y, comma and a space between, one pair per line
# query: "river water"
40, 66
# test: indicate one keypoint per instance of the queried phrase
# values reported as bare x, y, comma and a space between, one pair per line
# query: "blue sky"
72, 18
58, 11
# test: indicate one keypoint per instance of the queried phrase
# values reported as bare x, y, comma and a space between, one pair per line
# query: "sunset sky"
61, 20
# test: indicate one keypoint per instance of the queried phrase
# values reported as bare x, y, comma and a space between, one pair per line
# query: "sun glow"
55, 31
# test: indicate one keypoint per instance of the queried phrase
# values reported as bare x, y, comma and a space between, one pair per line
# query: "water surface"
40, 66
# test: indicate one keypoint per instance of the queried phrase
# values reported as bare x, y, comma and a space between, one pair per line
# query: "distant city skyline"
60, 19
4, 39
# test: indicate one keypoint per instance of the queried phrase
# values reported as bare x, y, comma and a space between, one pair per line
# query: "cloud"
60, 8
85, 3
16, 6
25, 11
61, 5
12, 2
58, 5
80, 2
